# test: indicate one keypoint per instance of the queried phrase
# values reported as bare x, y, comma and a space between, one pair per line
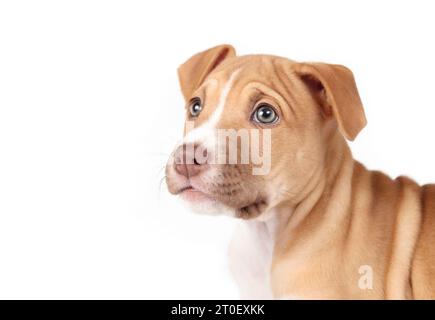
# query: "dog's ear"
193, 72
334, 88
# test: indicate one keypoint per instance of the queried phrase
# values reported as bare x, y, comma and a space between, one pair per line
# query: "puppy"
315, 224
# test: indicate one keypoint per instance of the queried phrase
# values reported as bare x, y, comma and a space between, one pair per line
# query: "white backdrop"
90, 109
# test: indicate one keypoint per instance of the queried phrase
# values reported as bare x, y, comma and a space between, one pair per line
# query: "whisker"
162, 180
159, 170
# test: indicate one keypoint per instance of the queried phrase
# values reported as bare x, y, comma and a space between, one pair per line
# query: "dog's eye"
195, 107
265, 114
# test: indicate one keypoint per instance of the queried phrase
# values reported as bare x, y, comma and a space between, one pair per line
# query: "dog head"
258, 129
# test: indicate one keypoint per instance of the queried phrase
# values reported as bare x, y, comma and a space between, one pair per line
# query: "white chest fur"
250, 256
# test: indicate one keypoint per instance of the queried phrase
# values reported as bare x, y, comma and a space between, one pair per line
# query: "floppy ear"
193, 72
334, 87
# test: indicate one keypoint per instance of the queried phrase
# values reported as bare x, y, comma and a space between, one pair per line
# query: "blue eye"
195, 107
265, 114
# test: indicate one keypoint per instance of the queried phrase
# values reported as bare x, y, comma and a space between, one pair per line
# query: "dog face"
257, 130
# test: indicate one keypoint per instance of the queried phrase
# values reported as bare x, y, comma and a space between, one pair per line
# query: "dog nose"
190, 160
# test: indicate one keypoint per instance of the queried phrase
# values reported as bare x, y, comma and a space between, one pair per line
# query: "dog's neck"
314, 200
310, 223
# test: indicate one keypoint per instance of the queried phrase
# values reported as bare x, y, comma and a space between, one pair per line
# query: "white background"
90, 109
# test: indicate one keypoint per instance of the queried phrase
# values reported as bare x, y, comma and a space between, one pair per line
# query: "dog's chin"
201, 203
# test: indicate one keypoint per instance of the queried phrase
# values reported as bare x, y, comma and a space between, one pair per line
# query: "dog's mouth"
192, 194
249, 211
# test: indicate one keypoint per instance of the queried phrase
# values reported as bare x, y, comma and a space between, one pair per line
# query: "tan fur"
334, 214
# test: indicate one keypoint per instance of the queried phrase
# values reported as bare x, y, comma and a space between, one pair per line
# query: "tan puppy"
316, 224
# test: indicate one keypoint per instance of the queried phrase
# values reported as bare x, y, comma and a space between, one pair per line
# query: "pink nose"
190, 160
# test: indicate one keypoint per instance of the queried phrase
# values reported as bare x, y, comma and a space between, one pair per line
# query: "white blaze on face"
206, 133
